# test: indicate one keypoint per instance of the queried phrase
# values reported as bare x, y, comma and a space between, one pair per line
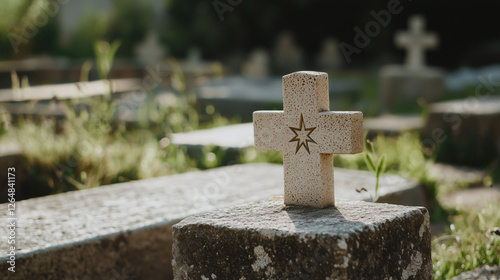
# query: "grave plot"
113, 225
303, 235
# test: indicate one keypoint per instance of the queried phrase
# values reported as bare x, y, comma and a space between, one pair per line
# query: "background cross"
308, 134
416, 41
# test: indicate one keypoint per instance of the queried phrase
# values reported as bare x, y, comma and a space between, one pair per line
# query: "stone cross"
308, 134
416, 41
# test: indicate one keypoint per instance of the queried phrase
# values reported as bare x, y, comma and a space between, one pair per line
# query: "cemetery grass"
470, 242
90, 149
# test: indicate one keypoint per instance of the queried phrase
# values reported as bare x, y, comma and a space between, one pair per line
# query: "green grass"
90, 149
469, 243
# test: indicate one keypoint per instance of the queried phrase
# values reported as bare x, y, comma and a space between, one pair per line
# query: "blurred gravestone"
194, 56
464, 131
329, 59
150, 51
402, 85
257, 64
288, 57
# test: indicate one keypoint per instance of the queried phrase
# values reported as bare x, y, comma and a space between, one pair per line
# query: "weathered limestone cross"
416, 41
308, 134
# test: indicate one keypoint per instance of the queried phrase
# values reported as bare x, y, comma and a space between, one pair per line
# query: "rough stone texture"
266, 240
465, 131
125, 228
482, 273
308, 134
392, 125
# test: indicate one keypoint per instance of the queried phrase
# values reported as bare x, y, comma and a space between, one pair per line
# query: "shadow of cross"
416, 41
308, 134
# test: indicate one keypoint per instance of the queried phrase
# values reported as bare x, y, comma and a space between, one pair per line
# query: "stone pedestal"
401, 86
266, 240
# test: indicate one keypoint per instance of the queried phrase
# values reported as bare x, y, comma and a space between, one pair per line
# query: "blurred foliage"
471, 242
92, 149
130, 21
91, 29
27, 27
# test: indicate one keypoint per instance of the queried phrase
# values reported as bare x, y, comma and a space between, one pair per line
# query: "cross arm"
341, 132
268, 130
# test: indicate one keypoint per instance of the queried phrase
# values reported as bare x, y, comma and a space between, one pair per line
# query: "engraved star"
302, 135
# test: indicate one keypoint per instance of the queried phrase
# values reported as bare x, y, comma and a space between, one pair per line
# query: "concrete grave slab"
267, 240
99, 232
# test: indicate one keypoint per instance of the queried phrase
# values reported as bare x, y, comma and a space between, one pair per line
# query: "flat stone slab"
238, 136
266, 240
482, 273
93, 233
457, 174
68, 91
96, 233
392, 125
473, 198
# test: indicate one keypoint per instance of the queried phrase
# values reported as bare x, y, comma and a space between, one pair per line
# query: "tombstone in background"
271, 240
404, 84
329, 59
151, 51
257, 65
287, 56
465, 131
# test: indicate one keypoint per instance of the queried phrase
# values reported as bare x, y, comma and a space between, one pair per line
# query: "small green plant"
378, 170
105, 54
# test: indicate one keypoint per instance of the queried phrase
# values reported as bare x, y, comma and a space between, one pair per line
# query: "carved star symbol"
302, 135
